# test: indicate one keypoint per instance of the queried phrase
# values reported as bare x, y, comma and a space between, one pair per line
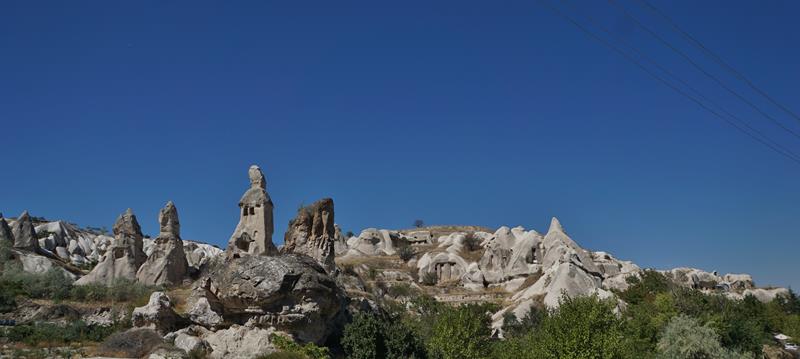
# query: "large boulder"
166, 265
239, 342
157, 314
312, 232
291, 293
24, 233
124, 257
253, 234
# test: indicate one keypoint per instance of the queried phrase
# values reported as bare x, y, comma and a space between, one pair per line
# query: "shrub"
369, 336
418, 223
49, 333
350, 234
584, 327
429, 278
647, 287
513, 327
362, 338
684, 337
401, 290
406, 253
472, 242
308, 351
461, 332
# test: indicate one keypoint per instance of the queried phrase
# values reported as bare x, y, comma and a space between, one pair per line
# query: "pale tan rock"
166, 265
157, 314
312, 232
253, 234
125, 255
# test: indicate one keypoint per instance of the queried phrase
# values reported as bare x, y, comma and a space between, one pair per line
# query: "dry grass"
179, 296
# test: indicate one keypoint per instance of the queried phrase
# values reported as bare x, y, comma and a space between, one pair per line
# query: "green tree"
362, 338
685, 338
583, 327
370, 336
461, 333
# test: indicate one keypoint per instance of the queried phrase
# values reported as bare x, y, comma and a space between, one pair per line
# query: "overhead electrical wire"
701, 69
683, 93
702, 97
716, 58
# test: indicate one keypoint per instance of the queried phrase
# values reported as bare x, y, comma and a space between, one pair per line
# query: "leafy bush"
472, 242
406, 253
307, 351
513, 327
55, 285
49, 333
369, 336
684, 337
418, 223
461, 332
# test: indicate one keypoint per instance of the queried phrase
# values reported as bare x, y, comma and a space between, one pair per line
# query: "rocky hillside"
233, 303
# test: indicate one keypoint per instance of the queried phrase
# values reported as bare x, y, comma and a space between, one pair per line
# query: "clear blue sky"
455, 112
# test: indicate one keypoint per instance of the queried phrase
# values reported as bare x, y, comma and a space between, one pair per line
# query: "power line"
670, 85
701, 69
687, 85
718, 59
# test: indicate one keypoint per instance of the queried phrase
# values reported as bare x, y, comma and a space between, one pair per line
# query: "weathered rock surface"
6, 235
239, 342
291, 293
157, 314
125, 255
312, 232
24, 233
253, 234
166, 265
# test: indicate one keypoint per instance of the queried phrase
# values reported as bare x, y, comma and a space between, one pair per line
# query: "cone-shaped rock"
166, 264
312, 232
125, 255
555, 226
253, 234
5, 232
24, 233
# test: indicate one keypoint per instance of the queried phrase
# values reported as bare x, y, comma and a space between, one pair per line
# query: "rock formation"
291, 293
166, 265
312, 232
157, 314
253, 234
24, 234
125, 255
5, 232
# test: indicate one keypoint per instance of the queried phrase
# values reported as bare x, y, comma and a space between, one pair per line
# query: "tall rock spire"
312, 232
24, 233
166, 264
5, 232
125, 255
253, 234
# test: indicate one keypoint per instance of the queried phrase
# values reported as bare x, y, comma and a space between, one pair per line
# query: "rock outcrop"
253, 234
166, 265
24, 233
125, 255
312, 232
157, 314
6, 235
291, 293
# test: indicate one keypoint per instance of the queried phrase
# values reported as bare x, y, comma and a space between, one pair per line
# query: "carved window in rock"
252, 210
244, 210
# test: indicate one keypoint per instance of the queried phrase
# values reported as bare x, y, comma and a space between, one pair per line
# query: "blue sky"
458, 112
